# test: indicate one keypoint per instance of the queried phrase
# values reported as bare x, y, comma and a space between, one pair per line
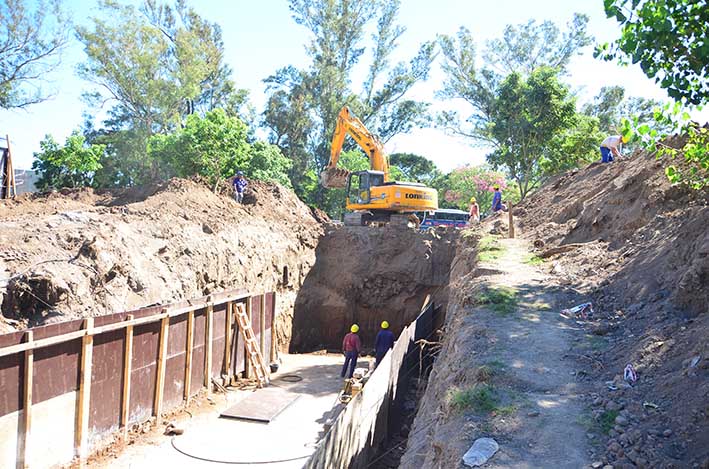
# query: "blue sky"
260, 36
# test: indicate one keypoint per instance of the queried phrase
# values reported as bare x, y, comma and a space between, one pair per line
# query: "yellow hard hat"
472, 200
354, 328
497, 187
385, 325
624, 139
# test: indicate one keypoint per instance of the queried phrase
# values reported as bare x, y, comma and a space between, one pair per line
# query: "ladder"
253, 351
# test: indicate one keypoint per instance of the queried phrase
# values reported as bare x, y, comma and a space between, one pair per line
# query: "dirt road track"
521, 358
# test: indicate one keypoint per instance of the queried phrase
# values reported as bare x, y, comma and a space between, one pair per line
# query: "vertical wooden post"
274, 345
188, 354
127, 370
512, 222
248, 372
227, 341
208, 347
24, 443
82, 415
262, 321
162, 360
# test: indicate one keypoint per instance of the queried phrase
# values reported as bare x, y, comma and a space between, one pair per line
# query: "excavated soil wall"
367, 275
83, 253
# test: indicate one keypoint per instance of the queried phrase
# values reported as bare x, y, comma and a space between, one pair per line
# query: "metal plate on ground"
261, 406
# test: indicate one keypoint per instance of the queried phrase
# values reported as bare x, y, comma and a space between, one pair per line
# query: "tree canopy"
304, 102
71, 165
670, 41
31, 41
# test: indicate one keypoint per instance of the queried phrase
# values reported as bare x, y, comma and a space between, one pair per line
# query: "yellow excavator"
371, 196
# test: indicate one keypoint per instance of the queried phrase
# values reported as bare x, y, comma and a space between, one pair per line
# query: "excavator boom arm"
348, 123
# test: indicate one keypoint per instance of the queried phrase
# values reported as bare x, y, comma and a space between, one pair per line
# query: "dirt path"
531, 345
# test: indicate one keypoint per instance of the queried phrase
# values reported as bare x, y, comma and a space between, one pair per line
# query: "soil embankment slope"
85, 253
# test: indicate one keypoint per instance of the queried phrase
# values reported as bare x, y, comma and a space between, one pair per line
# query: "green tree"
339, 39
156, 65
519, 115
216, 146
71, 165
31, 41
414, 168
524, 48
669, 41
526, 116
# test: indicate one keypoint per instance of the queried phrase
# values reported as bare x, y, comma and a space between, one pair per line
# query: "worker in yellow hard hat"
384, 341
611, 147
351, 346
473, 212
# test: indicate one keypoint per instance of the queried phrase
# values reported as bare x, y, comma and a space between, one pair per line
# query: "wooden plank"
227, 340
274, 354
188, 354
162, 359
208, 349
25, 432
127, 369
262, 327
82, 416
248, 371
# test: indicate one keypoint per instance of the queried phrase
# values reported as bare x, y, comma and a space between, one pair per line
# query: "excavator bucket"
334, 178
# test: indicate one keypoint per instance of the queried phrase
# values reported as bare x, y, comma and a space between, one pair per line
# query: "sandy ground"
290, 438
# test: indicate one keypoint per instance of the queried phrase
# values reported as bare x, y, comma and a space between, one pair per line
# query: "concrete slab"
284, 443
262, 406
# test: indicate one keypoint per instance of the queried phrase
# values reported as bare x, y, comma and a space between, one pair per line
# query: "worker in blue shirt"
496, 199
240, 184
384, 341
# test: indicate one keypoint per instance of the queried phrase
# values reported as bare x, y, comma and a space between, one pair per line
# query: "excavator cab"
359, 185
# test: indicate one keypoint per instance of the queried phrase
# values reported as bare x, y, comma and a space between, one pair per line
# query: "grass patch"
607, 420
596, 342
539, 305
506, 410
489, 249
484, 373
496, 365
533, 259
587, 422
502, 300
479, 398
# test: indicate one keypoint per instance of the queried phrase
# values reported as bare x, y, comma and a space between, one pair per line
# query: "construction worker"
496, 199
384, 342
240, 184
350, 347
474, 212
611, 147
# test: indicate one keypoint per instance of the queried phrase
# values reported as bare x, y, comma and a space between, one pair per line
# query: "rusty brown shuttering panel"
11, 368
175, 364
237, 349
218, 338
56, 368
144, 372
200, 318
256, 317
270, 310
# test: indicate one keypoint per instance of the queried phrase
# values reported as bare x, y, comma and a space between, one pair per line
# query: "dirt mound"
638, 247
366, 275
85, 253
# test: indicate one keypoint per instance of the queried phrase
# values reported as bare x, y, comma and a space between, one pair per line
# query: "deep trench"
365, 276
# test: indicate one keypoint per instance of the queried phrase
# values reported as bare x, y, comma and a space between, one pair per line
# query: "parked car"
445, 217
